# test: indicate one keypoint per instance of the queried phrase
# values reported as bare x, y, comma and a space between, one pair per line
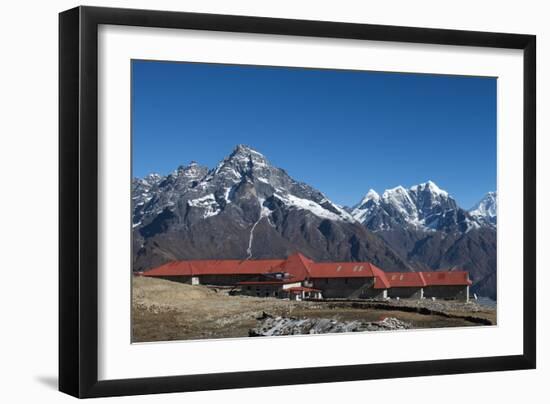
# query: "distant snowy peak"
152, 179
424, 206
430, 187
405, 200
365, 208
192, 170
371, 195
486, 209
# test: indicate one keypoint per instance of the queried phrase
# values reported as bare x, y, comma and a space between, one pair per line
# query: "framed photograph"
250, 201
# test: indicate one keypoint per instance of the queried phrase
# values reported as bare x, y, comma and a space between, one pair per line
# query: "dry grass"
164, 310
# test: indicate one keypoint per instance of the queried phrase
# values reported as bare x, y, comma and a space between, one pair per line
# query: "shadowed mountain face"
244, 208
247, 208
474, 251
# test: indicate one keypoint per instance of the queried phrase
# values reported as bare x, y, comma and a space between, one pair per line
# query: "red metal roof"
380, 278
214, 267
405, 279
174, 268
421, 279
447, 278
299, 268
259, 266
340, 270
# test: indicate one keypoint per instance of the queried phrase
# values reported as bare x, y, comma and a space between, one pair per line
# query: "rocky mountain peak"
371, 195
244, 183
396, 190
423, 207
244, 149
243, 162
192, 170
430, 187
247, 154
147, 181
245, 208
398, 196
486, 209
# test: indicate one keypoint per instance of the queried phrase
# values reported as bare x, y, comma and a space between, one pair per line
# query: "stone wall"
405, 293
372, 293
225, 280
262, 290
446, 292
352, 288
181, 279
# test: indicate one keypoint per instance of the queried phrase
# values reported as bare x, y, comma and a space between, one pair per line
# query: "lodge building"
298, 277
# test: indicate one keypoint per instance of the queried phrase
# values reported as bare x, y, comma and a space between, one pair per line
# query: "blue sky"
342, 132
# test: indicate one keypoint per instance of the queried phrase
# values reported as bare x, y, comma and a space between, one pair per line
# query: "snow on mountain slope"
245, 171
424, 206
314, 207
244, 208
430, 231
247, 175
486, 209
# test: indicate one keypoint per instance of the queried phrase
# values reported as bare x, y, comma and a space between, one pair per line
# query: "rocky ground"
164, 311
271, 326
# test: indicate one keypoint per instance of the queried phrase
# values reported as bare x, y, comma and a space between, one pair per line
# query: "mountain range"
247, 208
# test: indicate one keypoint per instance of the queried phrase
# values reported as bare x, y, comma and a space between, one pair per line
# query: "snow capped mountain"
425, 225
154, 193
486, 209
206, 193
424, 206
244, 208
365, 209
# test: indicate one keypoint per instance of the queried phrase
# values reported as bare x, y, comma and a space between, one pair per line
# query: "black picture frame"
78, 201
